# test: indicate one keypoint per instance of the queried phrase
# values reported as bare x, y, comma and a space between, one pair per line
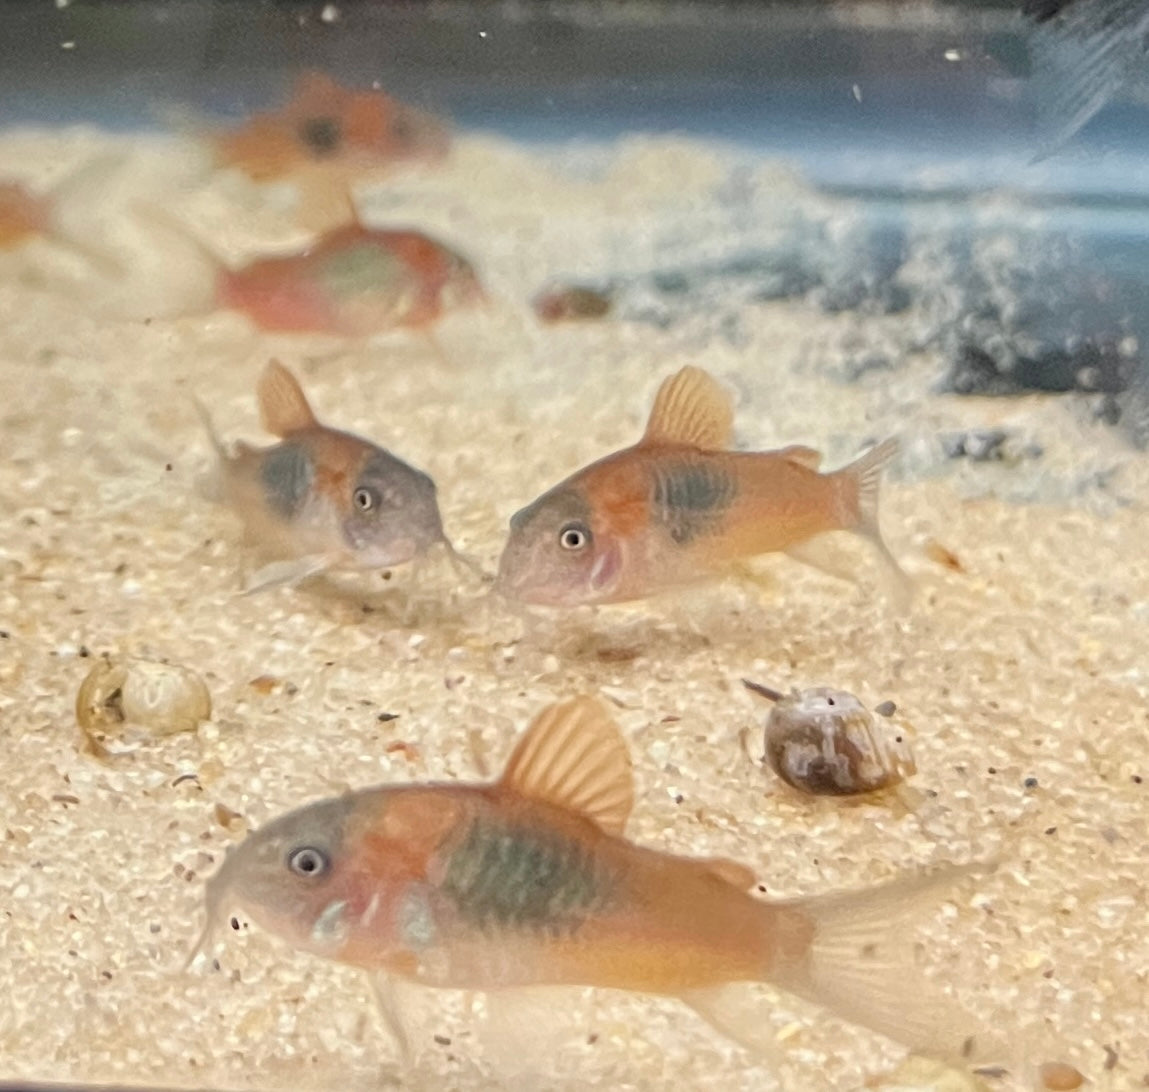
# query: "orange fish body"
529, 881
23, 215
458, 862
325, 125
355, 282
680, 506
321, 498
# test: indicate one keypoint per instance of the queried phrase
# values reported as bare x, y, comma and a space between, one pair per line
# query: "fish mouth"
399, 552
520, 589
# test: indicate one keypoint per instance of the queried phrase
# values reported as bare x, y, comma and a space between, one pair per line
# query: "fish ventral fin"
691, 409
283, 407
573, 756
732, 872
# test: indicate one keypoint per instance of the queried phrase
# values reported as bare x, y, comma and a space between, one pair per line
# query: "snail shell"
826, 742
161, 698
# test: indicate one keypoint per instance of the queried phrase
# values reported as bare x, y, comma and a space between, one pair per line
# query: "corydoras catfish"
680, 506
322, 499
530, 881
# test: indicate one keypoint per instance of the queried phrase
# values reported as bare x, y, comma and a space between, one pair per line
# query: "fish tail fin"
212, 483
213, 435
1082, 55
859, 964
859, 497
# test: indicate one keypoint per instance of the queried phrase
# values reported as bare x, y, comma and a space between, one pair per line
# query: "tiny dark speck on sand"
383, 718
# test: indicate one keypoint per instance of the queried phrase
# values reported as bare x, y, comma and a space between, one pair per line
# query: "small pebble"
1060, 1077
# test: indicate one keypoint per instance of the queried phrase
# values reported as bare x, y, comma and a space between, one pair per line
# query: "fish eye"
365, 498
574, 536
321, 134
308, 861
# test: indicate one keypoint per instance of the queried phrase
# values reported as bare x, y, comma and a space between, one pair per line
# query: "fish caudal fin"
213, 435
861, 487
283, 407
859, 964
1082, 53
213, 484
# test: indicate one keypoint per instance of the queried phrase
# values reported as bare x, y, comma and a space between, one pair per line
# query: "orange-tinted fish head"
293, 877
560, 554
331, 121
414, 134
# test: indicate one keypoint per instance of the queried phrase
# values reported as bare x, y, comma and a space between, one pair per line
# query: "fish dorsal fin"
732, 872
283, 407
573, 756
691, 408
802, 456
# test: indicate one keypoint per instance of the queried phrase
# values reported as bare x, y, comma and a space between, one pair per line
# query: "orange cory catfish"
322, 499
680, 506
529, 881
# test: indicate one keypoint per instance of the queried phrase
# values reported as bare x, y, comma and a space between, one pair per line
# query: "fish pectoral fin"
283, 407
691, 409
802, 456
290, 572
743, 1012
391, 996
574, 757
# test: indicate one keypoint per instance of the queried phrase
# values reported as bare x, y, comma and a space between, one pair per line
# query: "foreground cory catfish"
529, 881
680, 506
322, 499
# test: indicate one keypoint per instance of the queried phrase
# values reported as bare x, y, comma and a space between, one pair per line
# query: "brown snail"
826, 742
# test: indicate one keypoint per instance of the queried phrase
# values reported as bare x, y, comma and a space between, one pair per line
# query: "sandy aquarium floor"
1022, 665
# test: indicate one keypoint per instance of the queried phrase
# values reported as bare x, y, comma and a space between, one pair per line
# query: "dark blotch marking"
690, 498
504, 877
287, 475
322, 135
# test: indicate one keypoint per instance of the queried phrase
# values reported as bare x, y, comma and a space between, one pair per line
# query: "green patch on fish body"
502, 877
361, 269
690, 497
